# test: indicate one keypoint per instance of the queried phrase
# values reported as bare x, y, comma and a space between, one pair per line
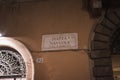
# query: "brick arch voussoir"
103, 32
100, 45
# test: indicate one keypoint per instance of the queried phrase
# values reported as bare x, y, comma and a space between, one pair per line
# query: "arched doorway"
16, 61
105, 42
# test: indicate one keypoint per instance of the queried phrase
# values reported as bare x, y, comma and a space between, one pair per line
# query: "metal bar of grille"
13, 76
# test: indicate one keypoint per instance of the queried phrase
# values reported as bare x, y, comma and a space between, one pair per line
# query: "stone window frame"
25, 53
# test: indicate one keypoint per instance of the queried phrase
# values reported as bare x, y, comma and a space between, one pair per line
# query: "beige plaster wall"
29, 21
68, 65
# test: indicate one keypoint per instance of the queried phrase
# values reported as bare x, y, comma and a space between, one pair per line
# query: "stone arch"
18, 46
105, 42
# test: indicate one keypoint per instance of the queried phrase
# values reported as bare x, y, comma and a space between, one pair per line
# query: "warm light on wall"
1, 35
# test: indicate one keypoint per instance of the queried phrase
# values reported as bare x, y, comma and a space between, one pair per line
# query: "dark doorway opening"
116, 66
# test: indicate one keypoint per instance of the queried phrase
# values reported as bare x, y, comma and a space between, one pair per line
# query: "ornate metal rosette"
11, 63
